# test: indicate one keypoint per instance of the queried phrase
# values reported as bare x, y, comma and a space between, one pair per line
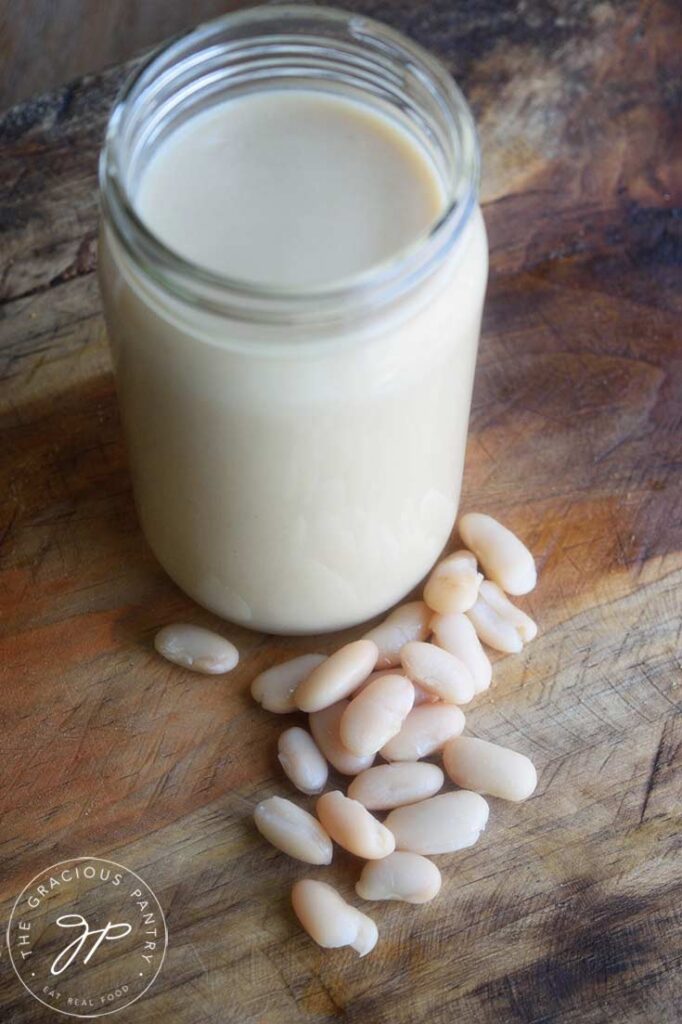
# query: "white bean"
293, 830
456, 635
274, 688
424, 731
408, 622
196, 648
353, 827
338, 676
498, 622
400, 876
443, 824
391, 785
503, 557
302, 761
376, 715
437, 671
486, 768
453, 584
329, 920
325, 726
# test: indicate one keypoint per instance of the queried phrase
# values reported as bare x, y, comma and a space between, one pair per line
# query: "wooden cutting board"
568, 908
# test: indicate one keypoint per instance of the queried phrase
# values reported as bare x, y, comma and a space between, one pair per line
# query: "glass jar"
296, 455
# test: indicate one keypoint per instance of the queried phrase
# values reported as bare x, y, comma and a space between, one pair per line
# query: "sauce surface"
290, 188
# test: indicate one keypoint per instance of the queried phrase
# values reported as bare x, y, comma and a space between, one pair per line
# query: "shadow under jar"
293, 265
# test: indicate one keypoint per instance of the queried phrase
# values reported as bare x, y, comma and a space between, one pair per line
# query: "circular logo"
87, 937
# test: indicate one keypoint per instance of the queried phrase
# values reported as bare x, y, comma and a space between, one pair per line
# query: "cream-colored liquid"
289, 189
289, 483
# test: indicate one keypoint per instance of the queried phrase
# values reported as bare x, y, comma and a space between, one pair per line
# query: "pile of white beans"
397, 693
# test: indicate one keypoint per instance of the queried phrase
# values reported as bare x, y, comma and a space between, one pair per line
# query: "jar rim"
241, 299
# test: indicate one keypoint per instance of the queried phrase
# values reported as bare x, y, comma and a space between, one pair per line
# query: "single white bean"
438, 672
302, 761
325, 727
338, 676
498, 622
377, 714
196, 648
408, 622
404, 876
453, 584
391, 785
456, 634
353, 827
443, 824
503, 557
329, 920
293, 831
274, 688
486, 768
424, 731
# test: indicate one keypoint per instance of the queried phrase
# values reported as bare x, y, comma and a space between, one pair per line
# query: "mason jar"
296, 454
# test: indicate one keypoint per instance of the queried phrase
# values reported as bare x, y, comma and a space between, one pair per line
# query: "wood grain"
44, 43
568, 908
